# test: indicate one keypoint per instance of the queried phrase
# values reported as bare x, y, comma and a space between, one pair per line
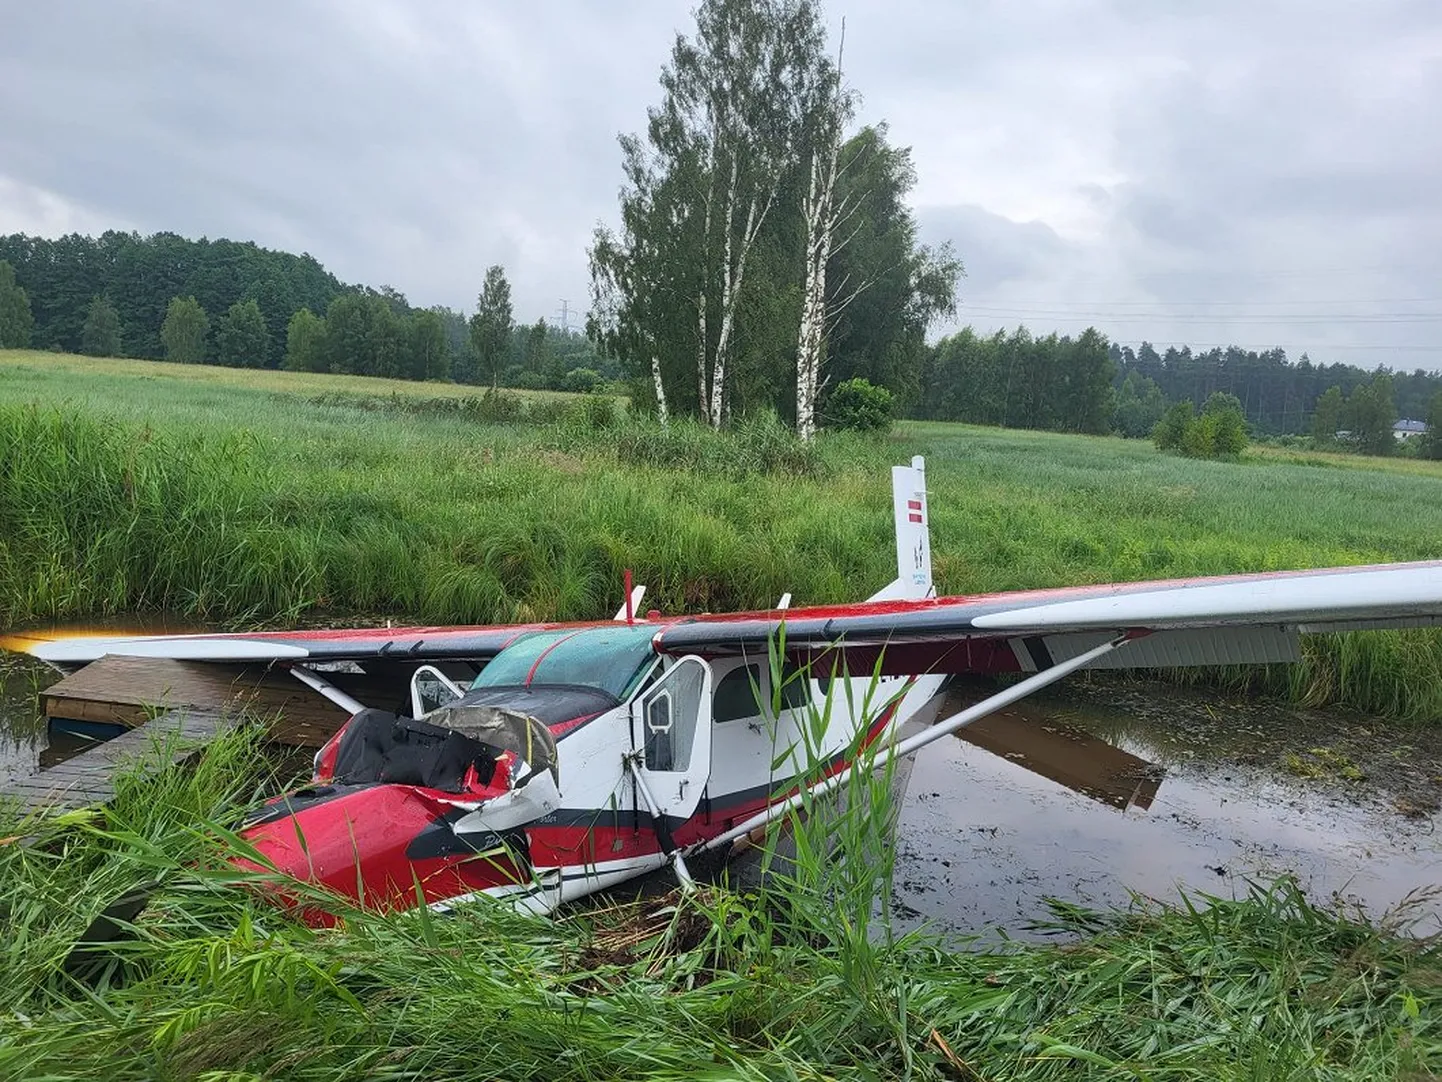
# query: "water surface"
1346, 804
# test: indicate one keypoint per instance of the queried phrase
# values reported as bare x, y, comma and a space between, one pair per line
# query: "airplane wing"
417, 644
1207, 621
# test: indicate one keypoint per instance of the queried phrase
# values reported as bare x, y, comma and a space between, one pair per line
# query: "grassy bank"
262, 497
212, 984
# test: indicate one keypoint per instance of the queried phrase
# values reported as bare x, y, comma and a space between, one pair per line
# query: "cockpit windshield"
608, 658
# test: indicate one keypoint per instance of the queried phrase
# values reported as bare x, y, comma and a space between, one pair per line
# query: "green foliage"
305, 347
141, 275
858, 405
1220, 431
1278, 395
101, 335
1229, 428
1369, 415
758, 444
663, 302
241, 339
1432, 441
1056, 383
492, 324
538, 349
430, 356
16, 321
806, 979
1168, 432
364, 336
184, 331
151, 491
1139, 405
1199, 438
1327, 420
581, 380
894, 287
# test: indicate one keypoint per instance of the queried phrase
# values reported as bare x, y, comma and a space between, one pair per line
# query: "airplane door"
673, 722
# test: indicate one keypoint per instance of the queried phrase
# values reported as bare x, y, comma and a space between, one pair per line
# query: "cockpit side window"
737, 693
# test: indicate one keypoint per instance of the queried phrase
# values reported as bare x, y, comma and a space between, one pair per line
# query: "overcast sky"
1262, 172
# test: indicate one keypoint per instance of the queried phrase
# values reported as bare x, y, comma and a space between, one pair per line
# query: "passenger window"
736, 694
795, 688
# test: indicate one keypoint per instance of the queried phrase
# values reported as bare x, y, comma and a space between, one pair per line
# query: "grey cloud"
1162, 170
994, 249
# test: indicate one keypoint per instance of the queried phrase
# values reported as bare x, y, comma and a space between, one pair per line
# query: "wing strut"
311, 679
927, 736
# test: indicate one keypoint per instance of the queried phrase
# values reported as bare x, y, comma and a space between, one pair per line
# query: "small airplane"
544, 762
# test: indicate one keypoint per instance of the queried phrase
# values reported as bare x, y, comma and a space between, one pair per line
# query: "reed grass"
803, 980
135, 486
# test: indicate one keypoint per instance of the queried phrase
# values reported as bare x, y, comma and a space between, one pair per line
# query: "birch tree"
823, 214
701, 187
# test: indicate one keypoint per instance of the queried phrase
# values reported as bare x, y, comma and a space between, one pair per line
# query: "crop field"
101, 372
137, 486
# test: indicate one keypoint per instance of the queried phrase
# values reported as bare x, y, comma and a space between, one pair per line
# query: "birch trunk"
820, 229
660, 389
732, 278
702, 360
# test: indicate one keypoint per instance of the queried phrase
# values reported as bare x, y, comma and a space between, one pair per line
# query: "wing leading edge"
1212, 621
415, 643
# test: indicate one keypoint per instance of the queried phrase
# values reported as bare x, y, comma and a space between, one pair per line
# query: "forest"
166, 297
1278, 395
1087, 384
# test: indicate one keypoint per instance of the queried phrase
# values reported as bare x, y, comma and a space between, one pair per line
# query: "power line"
1270, 319
1024, 302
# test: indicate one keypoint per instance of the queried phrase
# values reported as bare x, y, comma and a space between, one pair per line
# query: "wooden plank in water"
131, 690
89, 778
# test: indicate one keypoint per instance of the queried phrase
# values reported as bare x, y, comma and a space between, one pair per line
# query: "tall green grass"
124, 491
803, 981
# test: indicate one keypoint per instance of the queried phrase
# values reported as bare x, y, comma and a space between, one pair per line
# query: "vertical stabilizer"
913, 538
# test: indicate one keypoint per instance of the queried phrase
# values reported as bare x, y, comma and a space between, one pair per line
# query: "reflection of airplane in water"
1067, 755
543, 762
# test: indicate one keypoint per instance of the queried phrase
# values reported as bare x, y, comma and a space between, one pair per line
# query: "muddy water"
1182, 790
1104, 788
24, 747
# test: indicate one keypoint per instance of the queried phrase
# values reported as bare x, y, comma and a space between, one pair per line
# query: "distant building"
1406, 429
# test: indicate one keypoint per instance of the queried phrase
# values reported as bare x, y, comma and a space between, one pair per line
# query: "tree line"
1277, 395
164, 297
1088, 384
1018, 380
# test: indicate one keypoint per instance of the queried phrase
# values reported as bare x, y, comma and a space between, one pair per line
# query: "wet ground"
1182, 789
1108, 787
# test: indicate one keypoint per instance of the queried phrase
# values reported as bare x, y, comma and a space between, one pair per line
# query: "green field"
259, 498
128, 487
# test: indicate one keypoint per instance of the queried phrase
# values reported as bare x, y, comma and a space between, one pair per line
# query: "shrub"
1219, 432
581, 380
1167, 434
861, 406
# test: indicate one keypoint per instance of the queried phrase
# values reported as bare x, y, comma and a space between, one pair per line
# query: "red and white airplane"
544, 762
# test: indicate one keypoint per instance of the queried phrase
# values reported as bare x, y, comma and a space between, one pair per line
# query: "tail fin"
913, 539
